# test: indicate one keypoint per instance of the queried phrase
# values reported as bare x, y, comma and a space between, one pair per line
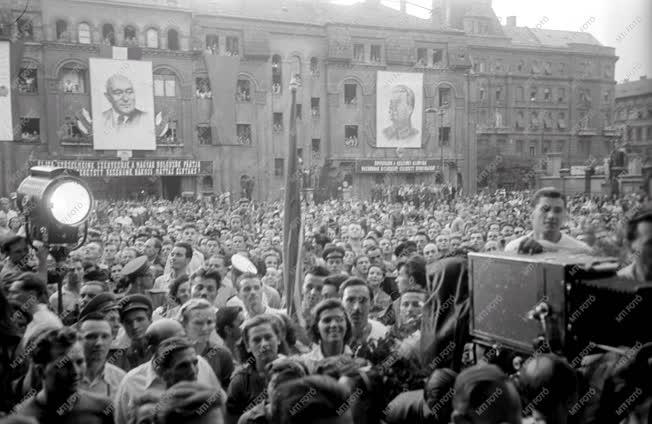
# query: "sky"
625, 25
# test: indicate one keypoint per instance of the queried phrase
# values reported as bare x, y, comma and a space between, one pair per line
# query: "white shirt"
143, 378
378, 330
565, 243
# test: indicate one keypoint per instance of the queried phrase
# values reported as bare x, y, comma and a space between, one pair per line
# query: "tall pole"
292, 209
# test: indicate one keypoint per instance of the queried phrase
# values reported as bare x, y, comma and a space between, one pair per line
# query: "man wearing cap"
334, 258
135, 316
137, 276
106, 304
639, 236
143, 378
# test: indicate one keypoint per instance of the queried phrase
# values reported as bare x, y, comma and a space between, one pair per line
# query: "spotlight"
55, 203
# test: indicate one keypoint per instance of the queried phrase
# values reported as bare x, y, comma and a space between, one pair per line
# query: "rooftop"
639, 87
538, 37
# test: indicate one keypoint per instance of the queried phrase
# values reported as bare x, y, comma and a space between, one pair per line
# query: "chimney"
511, 21
403, 9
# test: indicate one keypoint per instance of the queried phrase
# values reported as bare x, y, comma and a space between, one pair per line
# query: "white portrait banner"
122, 99
399, 109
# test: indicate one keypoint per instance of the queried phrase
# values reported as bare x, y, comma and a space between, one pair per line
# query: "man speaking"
401, 107
123, 113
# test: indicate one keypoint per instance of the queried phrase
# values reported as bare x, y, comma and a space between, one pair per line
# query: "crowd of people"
177, 311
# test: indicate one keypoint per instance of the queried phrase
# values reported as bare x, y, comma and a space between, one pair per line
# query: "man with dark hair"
58, 361
331, 287
144, 378
302, 400
31, 291
175, 360
639, 235
228, 321
178, 265
485, 395
205, 284
311, 291
357, 297
101, 378
411, 275
190, 403
548, 216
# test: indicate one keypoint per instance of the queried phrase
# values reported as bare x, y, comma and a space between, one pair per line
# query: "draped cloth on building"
223, 77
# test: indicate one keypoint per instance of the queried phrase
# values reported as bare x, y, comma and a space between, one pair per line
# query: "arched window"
62, 30
72, 79
84, 33
277, 84
151, 38
108, 35
130, 36
173, 40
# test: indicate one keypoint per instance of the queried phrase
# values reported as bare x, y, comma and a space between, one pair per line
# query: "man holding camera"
548, 216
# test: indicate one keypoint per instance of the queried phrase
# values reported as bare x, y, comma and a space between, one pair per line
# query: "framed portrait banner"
399, 109
122, 99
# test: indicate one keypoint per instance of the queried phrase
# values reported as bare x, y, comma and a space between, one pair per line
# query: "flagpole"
292, 209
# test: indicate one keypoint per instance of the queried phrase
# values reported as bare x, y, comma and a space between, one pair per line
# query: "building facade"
634, 119
222, 102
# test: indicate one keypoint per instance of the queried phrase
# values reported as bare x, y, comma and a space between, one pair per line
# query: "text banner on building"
396, 166
132, 168
6, 111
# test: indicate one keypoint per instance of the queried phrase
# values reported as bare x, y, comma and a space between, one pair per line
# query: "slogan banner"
6, 109
132, 168
397, 166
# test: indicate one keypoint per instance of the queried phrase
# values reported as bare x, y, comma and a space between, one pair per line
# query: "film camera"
561, 301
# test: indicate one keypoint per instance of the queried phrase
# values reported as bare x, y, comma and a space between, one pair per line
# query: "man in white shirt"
143, 378
357, 297
250, 293
178, 263
548, 215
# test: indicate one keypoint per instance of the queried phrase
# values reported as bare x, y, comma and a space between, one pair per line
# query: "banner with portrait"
399, 109
122, 100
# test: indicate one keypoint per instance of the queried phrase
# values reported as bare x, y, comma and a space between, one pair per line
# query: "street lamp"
55, 203
440, 112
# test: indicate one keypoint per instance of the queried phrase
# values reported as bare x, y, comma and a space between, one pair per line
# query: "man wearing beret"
334, 258
135, 316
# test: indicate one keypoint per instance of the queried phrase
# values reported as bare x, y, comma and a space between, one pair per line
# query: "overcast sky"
623, 24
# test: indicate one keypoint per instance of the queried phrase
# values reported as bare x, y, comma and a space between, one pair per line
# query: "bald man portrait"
401, 107
123, 113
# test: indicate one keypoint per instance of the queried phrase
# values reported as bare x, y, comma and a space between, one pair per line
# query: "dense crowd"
176, 311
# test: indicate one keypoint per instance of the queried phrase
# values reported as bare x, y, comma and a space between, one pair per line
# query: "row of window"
639, 133
545, 94
533, 148
585, 69
84, 34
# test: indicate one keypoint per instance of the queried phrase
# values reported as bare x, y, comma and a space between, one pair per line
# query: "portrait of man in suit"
123, 113
401, 107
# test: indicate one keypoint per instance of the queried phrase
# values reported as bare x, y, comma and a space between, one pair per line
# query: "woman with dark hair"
9, 342
178, 294
331, 330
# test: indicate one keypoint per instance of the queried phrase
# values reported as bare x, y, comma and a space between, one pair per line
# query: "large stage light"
55, 203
